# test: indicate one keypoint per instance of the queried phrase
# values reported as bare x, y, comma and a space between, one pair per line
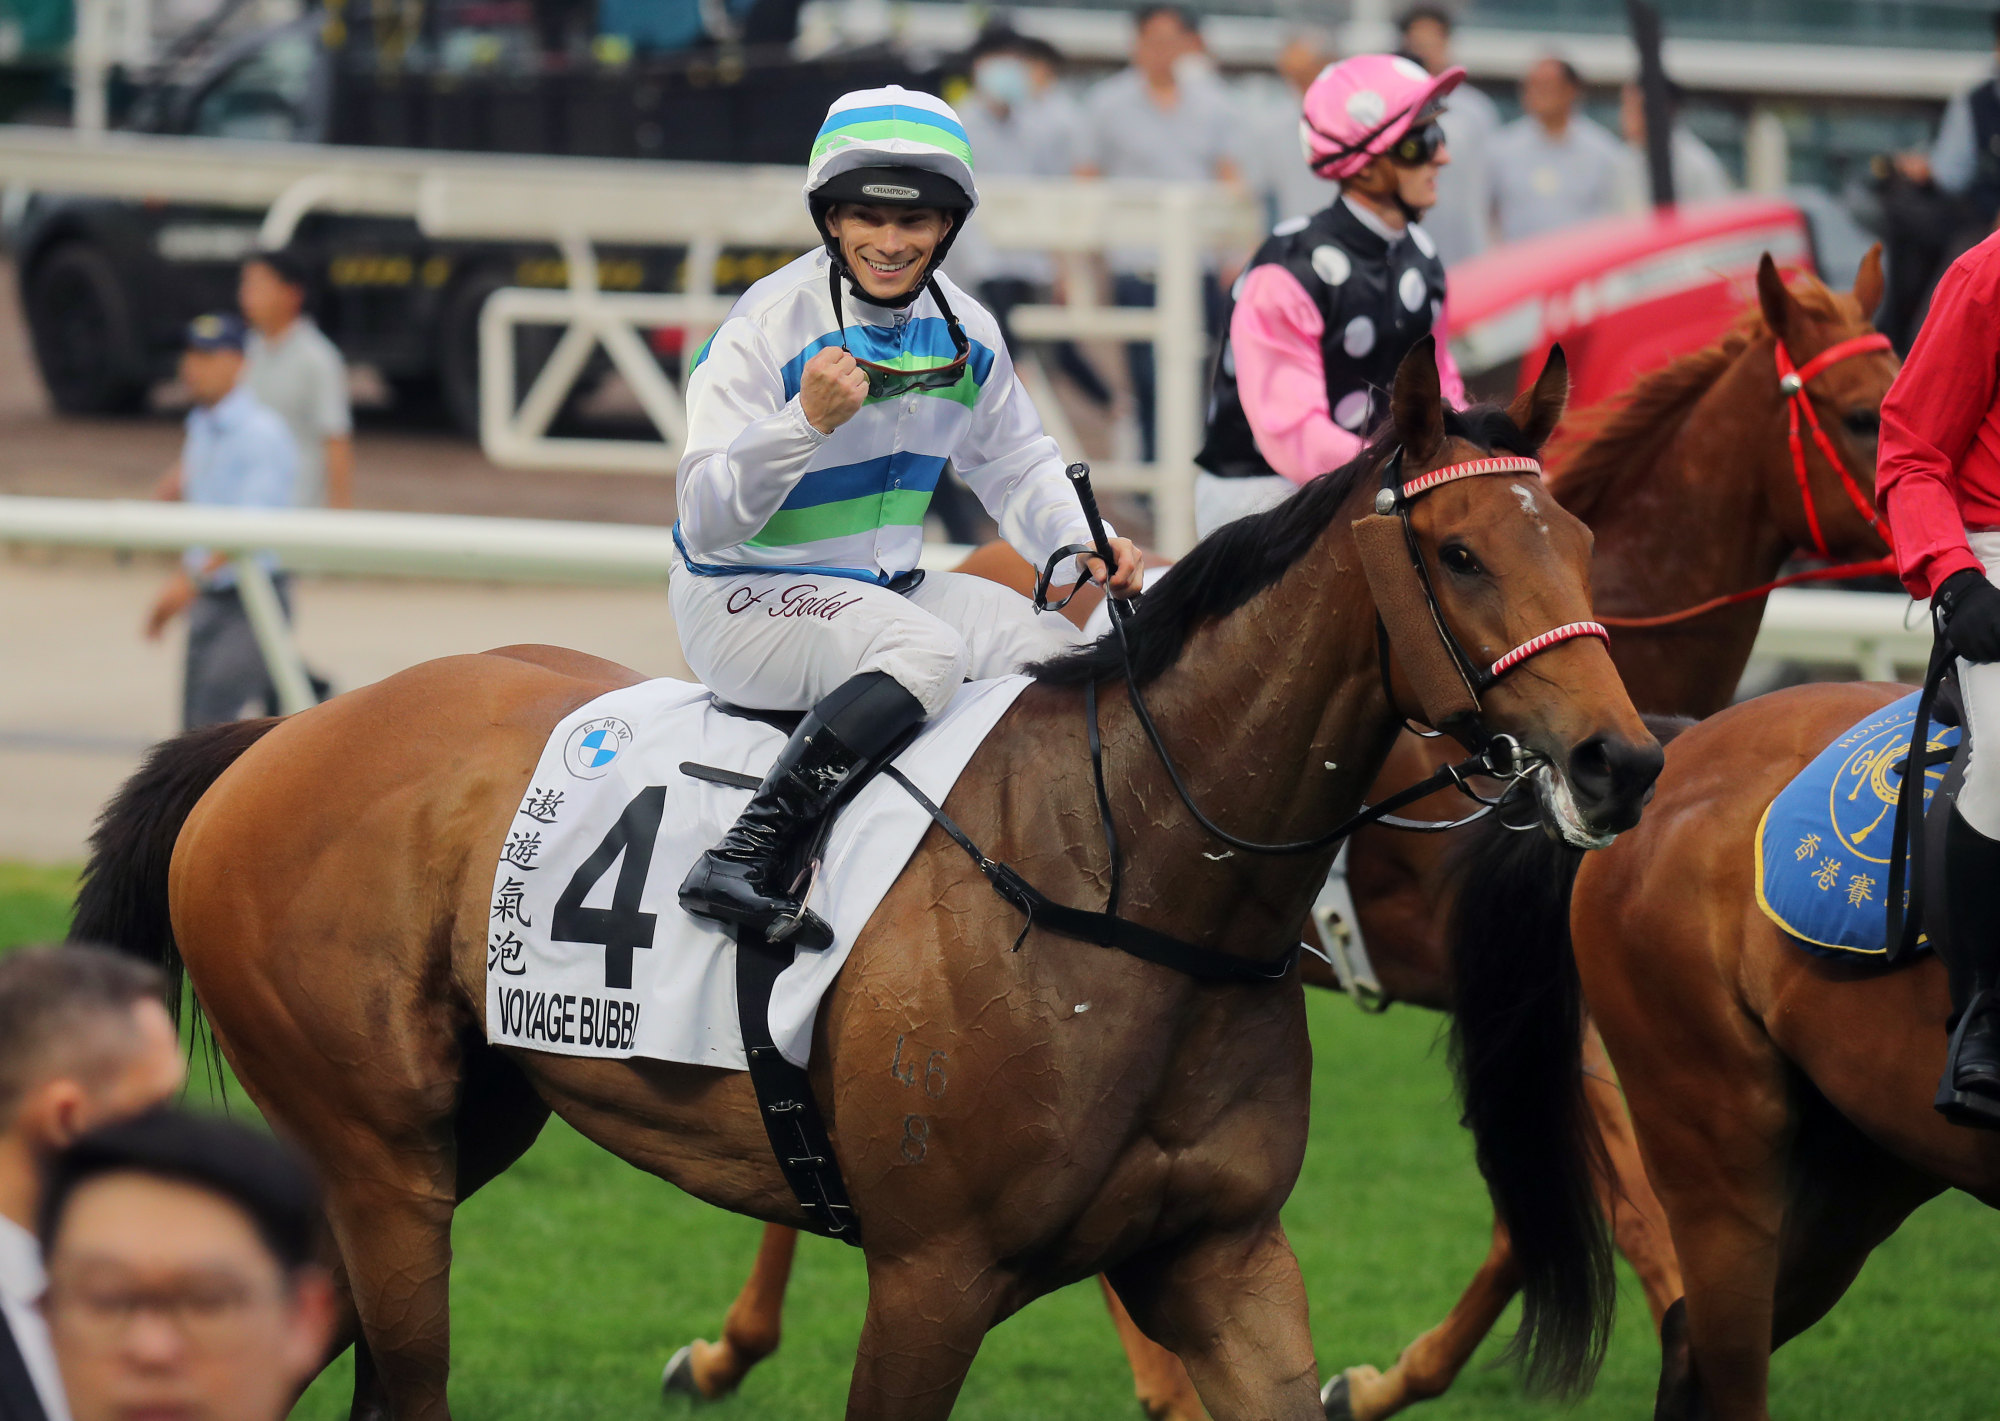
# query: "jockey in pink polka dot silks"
1330, 304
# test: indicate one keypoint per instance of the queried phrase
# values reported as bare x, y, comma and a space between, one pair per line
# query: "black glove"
1971, 607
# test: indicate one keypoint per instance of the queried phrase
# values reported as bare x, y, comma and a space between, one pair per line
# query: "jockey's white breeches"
780, 641
1979, 801
1218, 500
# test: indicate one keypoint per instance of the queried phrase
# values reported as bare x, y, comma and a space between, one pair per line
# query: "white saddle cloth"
645, 978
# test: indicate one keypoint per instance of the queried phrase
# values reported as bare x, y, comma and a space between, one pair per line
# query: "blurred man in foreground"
181, 1273
1552, 167
238, 454
1458, 224
83, 1041
299, 374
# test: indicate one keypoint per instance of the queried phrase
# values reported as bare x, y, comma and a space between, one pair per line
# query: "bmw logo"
593, 745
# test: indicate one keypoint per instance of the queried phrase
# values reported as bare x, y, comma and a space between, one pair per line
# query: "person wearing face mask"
1020, 126
1330, 305
820, 415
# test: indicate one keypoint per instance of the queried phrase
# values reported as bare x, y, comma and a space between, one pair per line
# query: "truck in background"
108, 284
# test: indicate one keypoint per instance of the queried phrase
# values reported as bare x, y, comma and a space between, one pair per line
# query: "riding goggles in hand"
1417, 147
887, 381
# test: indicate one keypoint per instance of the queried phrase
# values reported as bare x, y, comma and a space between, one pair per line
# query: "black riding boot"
749, 878
1970, 1090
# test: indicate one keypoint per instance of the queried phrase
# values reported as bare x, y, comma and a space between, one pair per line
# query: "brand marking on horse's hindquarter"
935, 1079
916, 1138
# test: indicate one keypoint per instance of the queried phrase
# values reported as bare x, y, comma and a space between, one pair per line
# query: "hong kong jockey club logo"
592, 746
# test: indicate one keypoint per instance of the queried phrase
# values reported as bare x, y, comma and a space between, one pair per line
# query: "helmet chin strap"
1393, 195
893, 303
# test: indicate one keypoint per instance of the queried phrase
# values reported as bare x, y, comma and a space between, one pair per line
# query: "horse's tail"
1517, 1049
122, 902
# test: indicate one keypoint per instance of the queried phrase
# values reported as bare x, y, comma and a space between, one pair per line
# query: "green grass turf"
576, 1276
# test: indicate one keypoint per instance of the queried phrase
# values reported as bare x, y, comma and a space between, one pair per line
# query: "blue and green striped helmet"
895, 146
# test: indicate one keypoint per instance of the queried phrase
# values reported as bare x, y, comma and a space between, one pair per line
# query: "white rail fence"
578, 204
1877, 634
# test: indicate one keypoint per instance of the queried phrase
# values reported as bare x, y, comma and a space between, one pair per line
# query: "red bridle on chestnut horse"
1792, 382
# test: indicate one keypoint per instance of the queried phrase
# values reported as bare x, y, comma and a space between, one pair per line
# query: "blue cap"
215, 331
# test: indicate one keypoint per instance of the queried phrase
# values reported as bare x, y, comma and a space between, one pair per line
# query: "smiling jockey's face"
887, 248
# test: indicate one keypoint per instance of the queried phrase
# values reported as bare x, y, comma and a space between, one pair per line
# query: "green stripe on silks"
889, 128
702, 353
897, 507
965, 392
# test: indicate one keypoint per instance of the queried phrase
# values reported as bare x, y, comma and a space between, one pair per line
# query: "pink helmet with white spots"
1359, 108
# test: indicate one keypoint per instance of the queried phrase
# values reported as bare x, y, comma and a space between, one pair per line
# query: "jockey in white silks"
820, 416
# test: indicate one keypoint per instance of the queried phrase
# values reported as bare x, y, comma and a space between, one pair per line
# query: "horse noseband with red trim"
1408, 618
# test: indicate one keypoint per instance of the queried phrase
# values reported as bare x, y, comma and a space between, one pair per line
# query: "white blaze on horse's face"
1531, 505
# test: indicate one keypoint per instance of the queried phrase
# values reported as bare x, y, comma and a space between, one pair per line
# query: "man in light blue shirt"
1552, 167
237, 454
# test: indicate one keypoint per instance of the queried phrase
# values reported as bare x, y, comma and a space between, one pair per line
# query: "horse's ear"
1868, 283
1773, 297
1416, 404
1537, 410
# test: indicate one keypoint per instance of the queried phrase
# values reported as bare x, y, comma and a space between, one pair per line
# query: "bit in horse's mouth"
1561, 813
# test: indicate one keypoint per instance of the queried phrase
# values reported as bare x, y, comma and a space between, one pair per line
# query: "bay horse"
1692, 492
1782, 1101
325, 880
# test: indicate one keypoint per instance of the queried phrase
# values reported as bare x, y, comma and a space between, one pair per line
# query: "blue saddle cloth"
1823, 845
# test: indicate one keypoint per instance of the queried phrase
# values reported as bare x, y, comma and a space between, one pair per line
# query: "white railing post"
273, 631
90, 59
1178, 348
1767, 151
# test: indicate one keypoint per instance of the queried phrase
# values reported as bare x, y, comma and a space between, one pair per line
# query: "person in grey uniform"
1553, 167
295, 371
237, 454
1459, 223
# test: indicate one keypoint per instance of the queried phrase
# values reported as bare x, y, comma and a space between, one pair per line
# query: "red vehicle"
1623, 294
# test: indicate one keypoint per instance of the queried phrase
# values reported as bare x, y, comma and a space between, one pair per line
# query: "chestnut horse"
1782, 1101
1688, 485
1693, 491
326, 880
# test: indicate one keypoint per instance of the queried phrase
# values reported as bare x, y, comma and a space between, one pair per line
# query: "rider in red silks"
1330, 304
1938, 482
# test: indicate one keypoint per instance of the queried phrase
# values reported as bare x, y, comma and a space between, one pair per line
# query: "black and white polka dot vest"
1377, 299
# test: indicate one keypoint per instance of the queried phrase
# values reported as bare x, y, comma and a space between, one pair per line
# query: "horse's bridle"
1394, 565
1792, 382
1410, 622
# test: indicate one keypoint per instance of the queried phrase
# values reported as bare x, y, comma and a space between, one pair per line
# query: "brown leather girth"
1414, 636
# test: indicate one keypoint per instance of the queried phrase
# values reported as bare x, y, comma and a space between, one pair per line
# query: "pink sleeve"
1274, 338
1450, 383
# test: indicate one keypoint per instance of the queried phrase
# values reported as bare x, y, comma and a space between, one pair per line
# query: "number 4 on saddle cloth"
1824, 846
588, 950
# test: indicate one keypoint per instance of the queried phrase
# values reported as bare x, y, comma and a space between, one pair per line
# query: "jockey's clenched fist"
833, 390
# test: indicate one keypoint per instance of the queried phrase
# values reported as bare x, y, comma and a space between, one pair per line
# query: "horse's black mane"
1240, 559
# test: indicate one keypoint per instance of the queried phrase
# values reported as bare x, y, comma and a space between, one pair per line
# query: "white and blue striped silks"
759, 487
